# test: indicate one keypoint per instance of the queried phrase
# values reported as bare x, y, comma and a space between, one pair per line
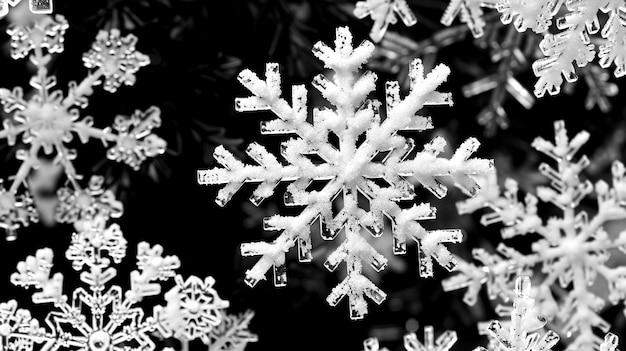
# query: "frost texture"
370, 170
50, 119
443, 343
102, 317
384, 13
573, 249
525, 319
35, 6
567, 26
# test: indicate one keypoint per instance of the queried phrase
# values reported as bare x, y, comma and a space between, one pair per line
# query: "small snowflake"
48, 121
371, 170
116, 58
572, 251
92, 204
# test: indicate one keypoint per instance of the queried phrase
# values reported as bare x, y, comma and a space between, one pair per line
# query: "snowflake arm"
384, 13
444, 342
233, 334
525, 319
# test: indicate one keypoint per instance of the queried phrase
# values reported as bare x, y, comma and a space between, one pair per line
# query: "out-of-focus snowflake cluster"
567, 27
104, 317
572, 251
35, 6
369, 170
47, 121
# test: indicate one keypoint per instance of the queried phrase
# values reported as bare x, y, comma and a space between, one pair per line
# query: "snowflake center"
109, 64
7, 202
99, 341
193, 306
127, 143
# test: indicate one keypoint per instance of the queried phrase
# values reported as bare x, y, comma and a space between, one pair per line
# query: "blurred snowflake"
48, 121
567, 27
572, 251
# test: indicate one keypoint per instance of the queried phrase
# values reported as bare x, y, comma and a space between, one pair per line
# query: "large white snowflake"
572, 251
49, 119
567, 28
102, 317
371, 169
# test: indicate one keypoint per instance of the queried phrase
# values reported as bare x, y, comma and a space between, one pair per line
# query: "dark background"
196, 49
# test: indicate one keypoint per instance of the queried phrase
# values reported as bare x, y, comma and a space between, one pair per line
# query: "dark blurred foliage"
196, 49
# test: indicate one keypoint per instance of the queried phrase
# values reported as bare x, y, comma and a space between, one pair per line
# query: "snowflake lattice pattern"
350, 170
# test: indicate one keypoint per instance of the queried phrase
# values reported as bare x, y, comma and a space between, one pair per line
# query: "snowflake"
573, 248
233, 334
92, 204
384, 13
525, 318
36, 6
349, 171
102, 317
48, 121
570, 42
443, 343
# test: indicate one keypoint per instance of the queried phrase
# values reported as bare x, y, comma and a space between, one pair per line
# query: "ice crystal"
384, 13
348, 171
444, 342
573, 249
35, 6
103, 317
525, 319
49, 120
568, 44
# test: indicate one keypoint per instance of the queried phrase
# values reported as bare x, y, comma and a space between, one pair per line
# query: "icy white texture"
369, 188
572, 251
525, 319
102, 317
567, 27
444, 342
35, 6
384, 13
49, 120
